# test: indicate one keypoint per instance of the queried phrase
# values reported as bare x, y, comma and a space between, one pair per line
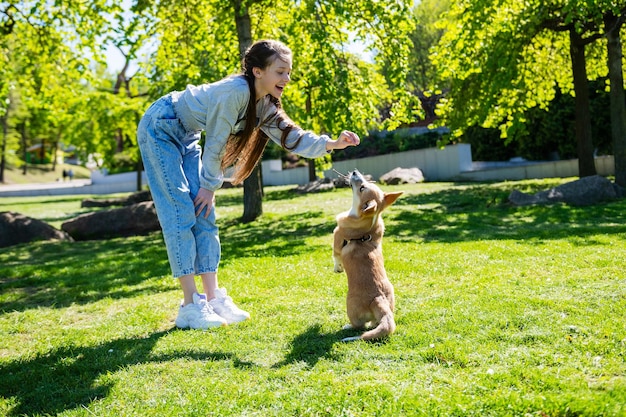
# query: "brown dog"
357, 249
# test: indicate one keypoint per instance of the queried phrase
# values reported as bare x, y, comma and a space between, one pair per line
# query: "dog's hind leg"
384, 318
359, 318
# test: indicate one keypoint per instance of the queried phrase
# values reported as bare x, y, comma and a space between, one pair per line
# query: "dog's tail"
386, 326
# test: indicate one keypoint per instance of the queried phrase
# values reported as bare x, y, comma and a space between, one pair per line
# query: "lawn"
501, 311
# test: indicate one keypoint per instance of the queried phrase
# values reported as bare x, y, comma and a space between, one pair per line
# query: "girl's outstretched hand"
345, 139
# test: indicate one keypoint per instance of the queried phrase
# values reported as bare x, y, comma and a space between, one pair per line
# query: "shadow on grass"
458, 213
283, 236
68, 377
312, 345
483, 213
58, 274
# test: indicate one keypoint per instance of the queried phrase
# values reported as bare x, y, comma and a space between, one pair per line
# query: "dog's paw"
338, 266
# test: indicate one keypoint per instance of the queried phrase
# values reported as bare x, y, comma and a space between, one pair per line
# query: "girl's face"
273, 78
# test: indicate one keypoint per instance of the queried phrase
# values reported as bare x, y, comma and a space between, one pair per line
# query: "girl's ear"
257, 72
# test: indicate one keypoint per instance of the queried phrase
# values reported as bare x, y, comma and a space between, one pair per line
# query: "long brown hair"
244, 150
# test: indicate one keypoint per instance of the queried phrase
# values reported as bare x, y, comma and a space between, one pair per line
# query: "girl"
239, 115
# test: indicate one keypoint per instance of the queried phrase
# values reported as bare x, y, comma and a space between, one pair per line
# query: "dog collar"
365, 238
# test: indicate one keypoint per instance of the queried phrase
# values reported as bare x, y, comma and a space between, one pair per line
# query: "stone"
402, 176
583, 192
16, 228
136, 219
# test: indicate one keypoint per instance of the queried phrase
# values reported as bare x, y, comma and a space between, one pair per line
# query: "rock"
402, 176
136, 219
134, 198
583, 192
16, 228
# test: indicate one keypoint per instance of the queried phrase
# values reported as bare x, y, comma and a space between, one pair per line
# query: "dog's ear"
369, 207
390, 198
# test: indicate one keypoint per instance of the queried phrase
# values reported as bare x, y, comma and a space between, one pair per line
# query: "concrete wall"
436, 164
273, 174
554, 169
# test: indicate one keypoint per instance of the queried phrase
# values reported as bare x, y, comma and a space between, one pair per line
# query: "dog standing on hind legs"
357, 249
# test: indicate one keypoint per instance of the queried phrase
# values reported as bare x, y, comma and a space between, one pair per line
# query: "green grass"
501, 311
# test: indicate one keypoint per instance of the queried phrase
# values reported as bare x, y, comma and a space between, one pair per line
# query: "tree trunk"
23, 134
311, 165
252, 186
618, 104
252, 197
242, 22
119, 141
586, 163
3, 151
139, 172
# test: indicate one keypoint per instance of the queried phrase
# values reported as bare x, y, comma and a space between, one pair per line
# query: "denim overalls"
172, 161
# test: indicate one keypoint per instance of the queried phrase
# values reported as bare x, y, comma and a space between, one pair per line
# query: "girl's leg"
188, 284
209, 282
205, 230
160, 137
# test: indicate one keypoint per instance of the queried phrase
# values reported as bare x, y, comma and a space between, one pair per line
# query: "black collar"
365, 238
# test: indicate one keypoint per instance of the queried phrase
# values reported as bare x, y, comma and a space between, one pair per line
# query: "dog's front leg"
337, 246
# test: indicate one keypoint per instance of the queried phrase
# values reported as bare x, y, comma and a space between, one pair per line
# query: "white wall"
554, 169
436, 165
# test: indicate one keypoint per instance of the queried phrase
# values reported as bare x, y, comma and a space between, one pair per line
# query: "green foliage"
67, 99
546, 134
425, 35
500, 311
383, 142
487, 145
501, 58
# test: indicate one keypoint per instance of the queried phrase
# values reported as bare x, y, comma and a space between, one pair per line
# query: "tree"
496, 55
253, 185
612, 25
422, 71
47, 47
331, 89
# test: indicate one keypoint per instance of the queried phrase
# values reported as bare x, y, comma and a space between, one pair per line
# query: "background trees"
363, 65
502, 58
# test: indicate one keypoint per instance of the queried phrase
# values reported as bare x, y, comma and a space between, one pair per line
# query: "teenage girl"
239, 115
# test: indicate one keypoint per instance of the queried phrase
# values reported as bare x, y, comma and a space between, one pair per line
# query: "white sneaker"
198, 315
223, 305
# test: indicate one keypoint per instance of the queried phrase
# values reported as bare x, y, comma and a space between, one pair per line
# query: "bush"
382, 143
487, 145
121, 163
